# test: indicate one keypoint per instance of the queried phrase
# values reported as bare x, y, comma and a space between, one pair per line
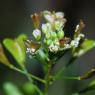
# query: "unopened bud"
58, 25
46, 28
59, 15
37, 34
48, 16
36, 20
48, 42
48, 35
53, 48
54, 35
60, 34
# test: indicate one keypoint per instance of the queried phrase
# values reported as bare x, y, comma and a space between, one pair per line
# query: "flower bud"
48, 16
56, 42
37, 34
53, 48
60, 34
36, 20
48, 42
53, 35
48, 35
74, 43
58, 25
59, 15
46, 28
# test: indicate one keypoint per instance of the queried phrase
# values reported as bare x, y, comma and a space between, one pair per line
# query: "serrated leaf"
84, 47
3, 58
16, 48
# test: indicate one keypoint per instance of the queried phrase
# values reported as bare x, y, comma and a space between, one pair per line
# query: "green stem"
47, 78
29, 76
32, 76
71, 78
31, 81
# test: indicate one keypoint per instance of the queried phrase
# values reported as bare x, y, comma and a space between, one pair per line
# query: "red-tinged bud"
63, 41
36, 20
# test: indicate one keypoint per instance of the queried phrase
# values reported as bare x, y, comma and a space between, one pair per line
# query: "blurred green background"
15, 19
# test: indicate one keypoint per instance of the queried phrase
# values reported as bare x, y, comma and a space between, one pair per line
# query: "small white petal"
74, 43
31, 50
77, 27
81, 35
59, 15
53, 48
66, 46
49, 18
58, 24
46, 28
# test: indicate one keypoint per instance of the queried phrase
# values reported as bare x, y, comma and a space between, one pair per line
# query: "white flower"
67, 46
75, 43
58, 24
48, 16
81, 35
59, 15
77, 28
37, 34
53, 48
46, 28
31, 50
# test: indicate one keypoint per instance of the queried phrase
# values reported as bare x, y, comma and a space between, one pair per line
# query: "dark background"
15, 19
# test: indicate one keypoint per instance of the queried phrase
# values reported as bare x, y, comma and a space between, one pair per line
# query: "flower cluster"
50, 34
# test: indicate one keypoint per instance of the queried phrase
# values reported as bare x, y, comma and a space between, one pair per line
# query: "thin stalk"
31, 81
29, 76
32, 76
47, 78
71, 78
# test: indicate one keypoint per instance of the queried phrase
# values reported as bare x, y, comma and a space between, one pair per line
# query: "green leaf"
11, 89
16, 48
3, 58
92, 83
84, 47
90, 87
